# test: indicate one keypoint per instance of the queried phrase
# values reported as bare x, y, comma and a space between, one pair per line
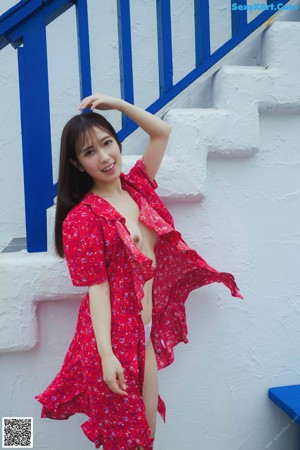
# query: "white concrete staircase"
239, 94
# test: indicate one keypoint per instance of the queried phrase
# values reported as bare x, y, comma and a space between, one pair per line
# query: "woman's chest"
143, 236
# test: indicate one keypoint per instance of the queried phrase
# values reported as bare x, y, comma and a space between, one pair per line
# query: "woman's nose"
103, 156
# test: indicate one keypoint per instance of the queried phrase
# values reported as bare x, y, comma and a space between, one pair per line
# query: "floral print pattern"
98, 247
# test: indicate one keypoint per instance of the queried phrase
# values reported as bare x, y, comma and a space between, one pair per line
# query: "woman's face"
99, 156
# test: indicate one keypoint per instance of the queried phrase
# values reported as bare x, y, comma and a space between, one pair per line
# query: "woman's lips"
109, 168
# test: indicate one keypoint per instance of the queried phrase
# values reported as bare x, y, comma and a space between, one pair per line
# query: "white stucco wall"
238, 207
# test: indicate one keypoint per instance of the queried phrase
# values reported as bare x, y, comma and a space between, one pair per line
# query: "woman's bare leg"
150, 388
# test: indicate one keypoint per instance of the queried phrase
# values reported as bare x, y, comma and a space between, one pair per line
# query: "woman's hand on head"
112, 370
100, 101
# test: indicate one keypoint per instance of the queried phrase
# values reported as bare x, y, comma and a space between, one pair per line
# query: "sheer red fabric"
98, 247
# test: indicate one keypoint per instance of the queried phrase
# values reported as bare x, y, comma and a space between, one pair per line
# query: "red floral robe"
98, 247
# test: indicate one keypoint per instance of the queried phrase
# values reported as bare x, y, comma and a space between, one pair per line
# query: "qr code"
17, 432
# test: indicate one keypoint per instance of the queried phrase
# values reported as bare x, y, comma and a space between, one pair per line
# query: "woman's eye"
88, 153
107, 142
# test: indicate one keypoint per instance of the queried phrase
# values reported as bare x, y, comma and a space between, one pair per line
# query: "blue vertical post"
125, 54
164, 38
83, 48
202, 31
36, 136
238, 16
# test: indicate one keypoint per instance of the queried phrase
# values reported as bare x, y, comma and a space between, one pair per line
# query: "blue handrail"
24, 27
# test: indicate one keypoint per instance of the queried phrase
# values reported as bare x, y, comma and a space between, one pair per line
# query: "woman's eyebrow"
90, 146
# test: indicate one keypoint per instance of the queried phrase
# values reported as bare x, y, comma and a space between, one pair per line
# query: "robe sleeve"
138, 175
84, 247
139, 179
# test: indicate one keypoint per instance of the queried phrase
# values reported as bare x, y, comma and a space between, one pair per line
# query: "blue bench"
288, 399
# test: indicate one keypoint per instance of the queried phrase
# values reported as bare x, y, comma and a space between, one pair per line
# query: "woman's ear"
77, 165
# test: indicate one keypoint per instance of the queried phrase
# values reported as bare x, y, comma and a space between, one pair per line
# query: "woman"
119, 240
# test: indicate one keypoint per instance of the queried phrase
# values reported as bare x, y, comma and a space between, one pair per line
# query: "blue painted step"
288, 399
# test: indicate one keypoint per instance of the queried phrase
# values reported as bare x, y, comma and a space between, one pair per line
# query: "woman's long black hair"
73, 184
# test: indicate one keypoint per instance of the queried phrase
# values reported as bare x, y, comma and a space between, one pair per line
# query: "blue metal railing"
125, 54
24, 27
164, 36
